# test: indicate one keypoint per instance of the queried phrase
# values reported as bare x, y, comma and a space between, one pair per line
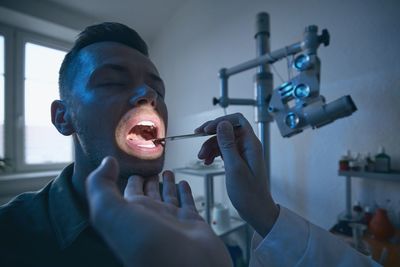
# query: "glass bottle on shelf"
359, 163
382, 161
344, 162
358, 212
369, 163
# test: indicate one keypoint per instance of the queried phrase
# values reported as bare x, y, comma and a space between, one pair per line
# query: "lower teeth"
147, 145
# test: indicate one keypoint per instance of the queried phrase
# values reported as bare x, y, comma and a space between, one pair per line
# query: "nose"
144, 95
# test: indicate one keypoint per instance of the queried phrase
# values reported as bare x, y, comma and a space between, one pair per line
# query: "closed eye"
159, 89
160, 94
111, 84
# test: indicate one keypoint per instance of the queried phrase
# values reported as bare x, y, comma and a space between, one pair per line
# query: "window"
29, 65
2, 110
43, 144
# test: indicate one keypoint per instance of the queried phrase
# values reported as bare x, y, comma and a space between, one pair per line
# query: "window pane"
2, 96
43, 144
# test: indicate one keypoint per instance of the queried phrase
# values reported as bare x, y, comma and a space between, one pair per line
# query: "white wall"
363, 60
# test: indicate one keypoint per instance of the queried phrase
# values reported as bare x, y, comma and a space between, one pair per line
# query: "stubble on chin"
144, 168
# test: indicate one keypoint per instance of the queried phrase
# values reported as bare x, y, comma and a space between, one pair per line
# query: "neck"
82, 169
81, 172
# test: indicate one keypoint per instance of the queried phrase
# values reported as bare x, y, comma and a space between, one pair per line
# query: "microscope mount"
297, 103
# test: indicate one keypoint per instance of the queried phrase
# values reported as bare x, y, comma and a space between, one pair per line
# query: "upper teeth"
146, 123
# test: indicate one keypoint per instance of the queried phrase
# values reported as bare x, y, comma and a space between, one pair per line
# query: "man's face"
117, 102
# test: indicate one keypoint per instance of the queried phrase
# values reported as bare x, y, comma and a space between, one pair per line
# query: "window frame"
9, 139
14, 75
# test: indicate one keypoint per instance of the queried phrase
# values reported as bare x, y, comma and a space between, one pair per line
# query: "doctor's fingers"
152, 187
169, 189
254, 156
200, 129
209, 150
233, 161
134, 187
236, 119
243, 156
212, 147
186, 197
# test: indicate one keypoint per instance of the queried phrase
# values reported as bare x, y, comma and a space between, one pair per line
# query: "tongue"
146, 134
143, 132
140, 137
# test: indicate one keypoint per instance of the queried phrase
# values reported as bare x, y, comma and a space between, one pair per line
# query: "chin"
144, 168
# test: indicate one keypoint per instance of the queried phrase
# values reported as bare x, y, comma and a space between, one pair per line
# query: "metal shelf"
393, 176
236, 224
389, 176
201, 171
208, 175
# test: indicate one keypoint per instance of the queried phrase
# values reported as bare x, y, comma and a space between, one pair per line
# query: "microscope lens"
302, 91
292, 120
302, 62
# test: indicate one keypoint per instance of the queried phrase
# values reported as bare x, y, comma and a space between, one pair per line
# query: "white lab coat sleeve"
293, 241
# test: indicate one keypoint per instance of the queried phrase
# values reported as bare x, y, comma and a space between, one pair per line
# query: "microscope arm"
224, 101
269, 58
309, 45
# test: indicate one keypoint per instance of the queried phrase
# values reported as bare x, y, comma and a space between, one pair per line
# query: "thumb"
227, 145
101, 188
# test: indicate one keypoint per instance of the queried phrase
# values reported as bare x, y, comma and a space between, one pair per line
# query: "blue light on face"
302, 91
302, 62
292, 120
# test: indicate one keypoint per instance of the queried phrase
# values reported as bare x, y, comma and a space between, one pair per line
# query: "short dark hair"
106, 31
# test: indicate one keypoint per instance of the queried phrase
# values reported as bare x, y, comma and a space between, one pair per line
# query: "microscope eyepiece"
327, 113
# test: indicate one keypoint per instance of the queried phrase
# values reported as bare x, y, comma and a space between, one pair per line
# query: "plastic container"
380, 225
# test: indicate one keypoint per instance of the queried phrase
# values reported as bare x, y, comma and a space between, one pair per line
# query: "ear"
61, 118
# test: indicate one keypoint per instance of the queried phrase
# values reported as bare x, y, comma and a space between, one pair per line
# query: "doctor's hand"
245, 170
144, 228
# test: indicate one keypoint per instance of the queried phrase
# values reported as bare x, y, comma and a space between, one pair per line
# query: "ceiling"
145, 16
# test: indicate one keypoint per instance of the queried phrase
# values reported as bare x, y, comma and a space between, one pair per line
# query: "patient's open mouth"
142, 134
136, 131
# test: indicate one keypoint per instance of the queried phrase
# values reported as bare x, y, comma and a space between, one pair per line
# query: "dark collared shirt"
50, 228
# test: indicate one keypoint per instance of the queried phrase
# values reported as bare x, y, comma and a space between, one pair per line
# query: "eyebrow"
156, 77
116, 67
124, 69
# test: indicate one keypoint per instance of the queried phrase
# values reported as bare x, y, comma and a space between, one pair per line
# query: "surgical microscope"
294, 105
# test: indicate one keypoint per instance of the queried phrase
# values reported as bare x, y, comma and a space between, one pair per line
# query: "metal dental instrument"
177, 137
162, 141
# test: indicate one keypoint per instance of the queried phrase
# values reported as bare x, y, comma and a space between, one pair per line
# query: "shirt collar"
67, 215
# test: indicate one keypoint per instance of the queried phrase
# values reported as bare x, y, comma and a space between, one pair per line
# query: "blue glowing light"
286, 89
302, 62
302, 91
292, 120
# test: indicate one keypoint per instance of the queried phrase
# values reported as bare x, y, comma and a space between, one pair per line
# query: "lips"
136, 130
